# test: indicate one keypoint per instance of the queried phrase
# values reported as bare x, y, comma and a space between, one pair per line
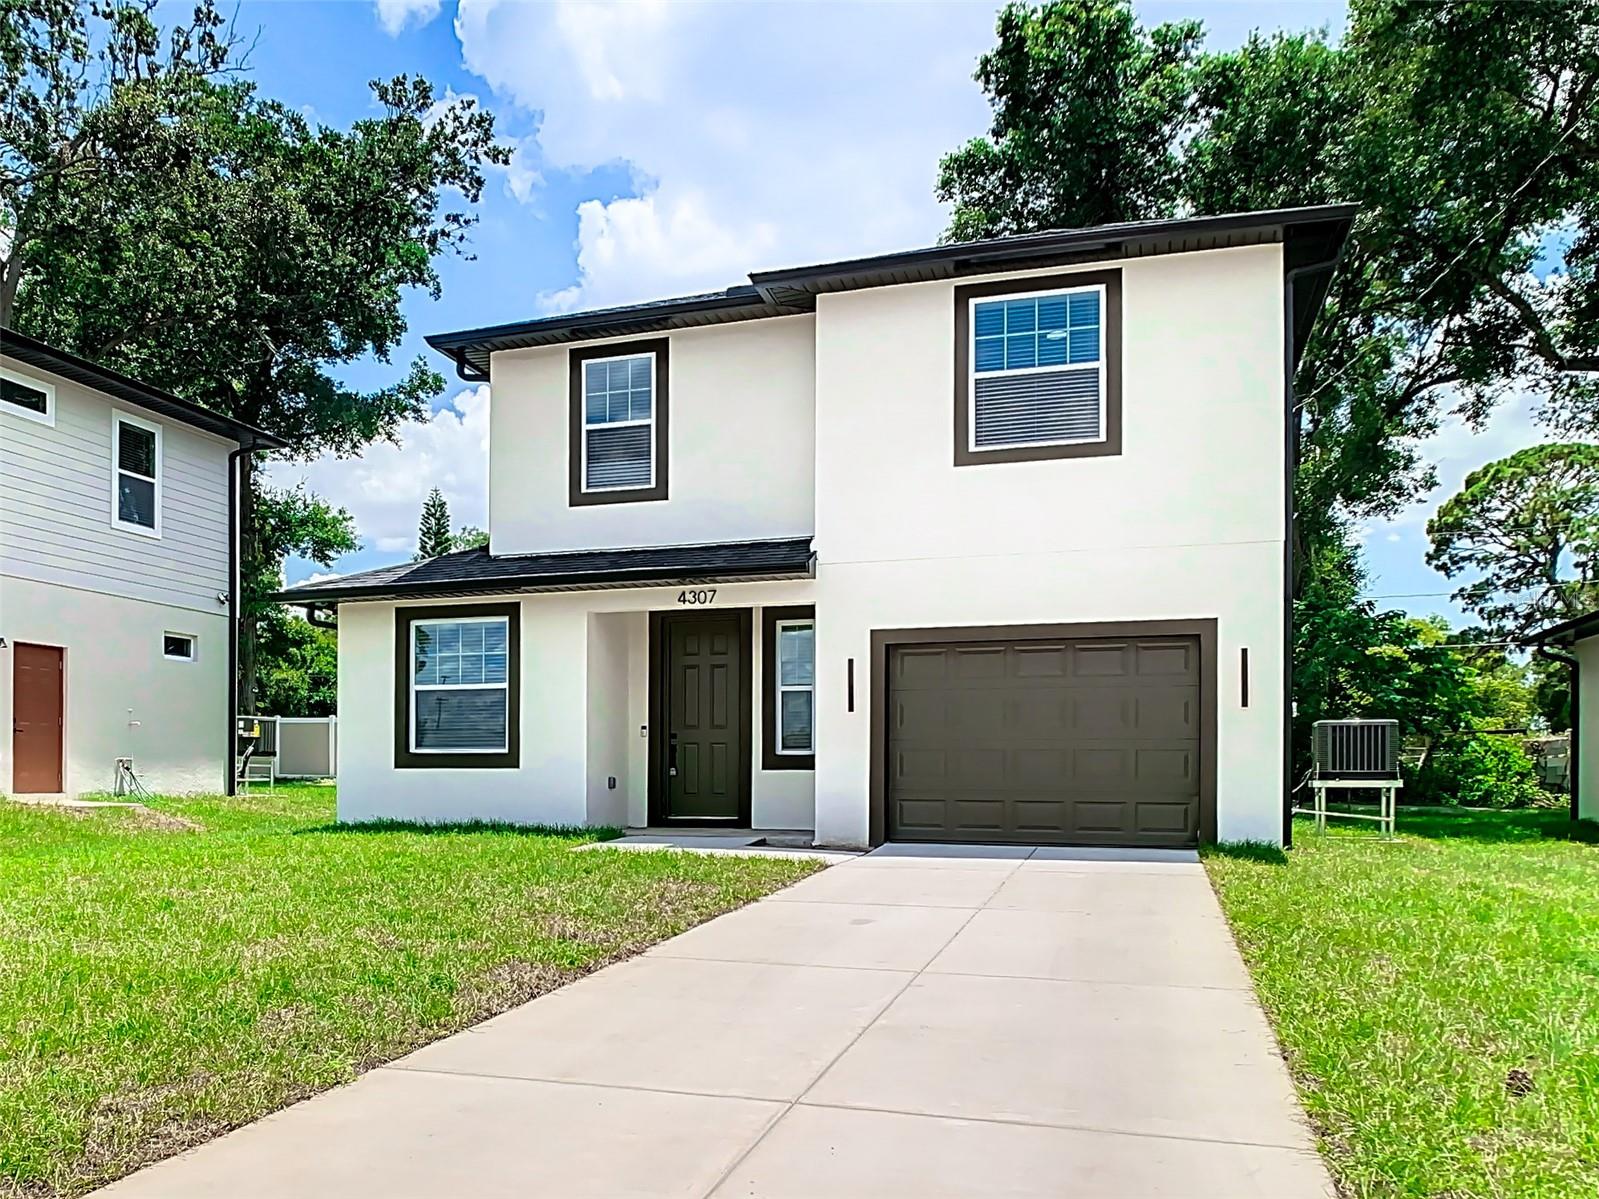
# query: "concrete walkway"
949, 1022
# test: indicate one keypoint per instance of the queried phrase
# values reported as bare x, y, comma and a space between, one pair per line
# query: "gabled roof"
1311, 234
476, 572
35, 353
1578, 628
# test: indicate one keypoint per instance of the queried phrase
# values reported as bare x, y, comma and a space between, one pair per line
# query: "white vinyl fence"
307, 746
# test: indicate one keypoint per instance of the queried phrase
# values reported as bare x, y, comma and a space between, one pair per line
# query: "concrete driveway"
942, 1022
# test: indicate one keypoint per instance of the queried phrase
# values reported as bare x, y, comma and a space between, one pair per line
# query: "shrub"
1478, 771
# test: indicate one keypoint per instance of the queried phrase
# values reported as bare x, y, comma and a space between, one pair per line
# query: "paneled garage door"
1079, 742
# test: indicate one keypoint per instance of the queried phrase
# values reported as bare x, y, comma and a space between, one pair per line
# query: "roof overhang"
37, 354
477, 573
1569, 632
1307, 233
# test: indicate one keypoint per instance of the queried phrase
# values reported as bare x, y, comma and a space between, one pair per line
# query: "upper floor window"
1038, 368
22, 395
618, 418
135, 475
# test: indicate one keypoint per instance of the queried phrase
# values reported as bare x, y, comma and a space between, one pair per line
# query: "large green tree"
299, 669
1527, 528
167, 219
1353, 659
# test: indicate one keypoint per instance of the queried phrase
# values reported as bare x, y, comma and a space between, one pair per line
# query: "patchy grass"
1437, 997
166, 978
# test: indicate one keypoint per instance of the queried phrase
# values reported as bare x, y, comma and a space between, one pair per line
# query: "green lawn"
1437, 997
165, 978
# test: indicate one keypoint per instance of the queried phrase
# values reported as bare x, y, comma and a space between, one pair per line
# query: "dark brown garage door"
1081, 742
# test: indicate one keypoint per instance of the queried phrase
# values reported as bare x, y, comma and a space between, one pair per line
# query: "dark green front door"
707, 717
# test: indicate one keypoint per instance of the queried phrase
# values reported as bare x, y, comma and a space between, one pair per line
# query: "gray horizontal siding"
55, 506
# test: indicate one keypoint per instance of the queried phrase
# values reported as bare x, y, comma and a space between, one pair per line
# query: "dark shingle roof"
476, 572
794, 290
35, 353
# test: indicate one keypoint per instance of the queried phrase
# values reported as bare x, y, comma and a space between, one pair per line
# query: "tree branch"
1545, 343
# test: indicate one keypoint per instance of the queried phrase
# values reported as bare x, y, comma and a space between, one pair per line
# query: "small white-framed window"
460, 697
23, 395
1037, 369
796, 687
178, 647
619, 423
135, 475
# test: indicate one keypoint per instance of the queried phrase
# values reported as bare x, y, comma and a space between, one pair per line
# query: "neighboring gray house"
1576, 642
117, 564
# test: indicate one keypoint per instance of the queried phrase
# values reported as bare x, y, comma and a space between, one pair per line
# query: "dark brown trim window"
788, 688
618, 406
1038, 368
458, 686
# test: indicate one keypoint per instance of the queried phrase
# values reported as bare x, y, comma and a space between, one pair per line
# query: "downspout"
234, 565
1572, 754
1290, 467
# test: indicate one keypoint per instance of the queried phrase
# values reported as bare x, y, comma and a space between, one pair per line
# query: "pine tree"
433, 534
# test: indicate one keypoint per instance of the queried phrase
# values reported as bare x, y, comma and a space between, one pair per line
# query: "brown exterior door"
1077, 742
37, 713
706, 693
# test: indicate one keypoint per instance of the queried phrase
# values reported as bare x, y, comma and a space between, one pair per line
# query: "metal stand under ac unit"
1387, 802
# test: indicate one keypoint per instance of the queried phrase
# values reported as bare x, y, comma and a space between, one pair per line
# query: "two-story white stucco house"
117, 561
981, 542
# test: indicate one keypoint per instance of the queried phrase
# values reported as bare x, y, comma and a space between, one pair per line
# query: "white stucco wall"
1187, 522
1587, 733
851, 435
741, 429
123, 698
585, 699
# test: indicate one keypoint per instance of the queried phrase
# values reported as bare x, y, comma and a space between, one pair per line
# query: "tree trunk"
246, 601
10, 272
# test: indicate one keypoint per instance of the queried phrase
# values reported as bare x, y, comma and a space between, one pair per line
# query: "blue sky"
663, 148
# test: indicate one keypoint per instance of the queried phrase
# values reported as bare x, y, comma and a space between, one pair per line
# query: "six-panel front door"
707, 717
36, 719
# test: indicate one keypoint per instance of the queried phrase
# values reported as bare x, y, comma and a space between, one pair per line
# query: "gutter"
1575, 678
524, 585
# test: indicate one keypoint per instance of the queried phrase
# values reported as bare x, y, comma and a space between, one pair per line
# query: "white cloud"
758, 135
1457, 449
395, 15
522, 177
384, 488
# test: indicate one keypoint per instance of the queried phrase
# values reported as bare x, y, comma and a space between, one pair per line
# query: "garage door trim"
883, 640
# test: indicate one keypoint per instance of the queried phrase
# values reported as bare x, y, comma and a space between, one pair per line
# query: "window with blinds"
619, 423
136, 475
796, 687
21, 395
459, 691
1038, 369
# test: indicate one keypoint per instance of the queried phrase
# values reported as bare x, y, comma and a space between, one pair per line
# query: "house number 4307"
706, 595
